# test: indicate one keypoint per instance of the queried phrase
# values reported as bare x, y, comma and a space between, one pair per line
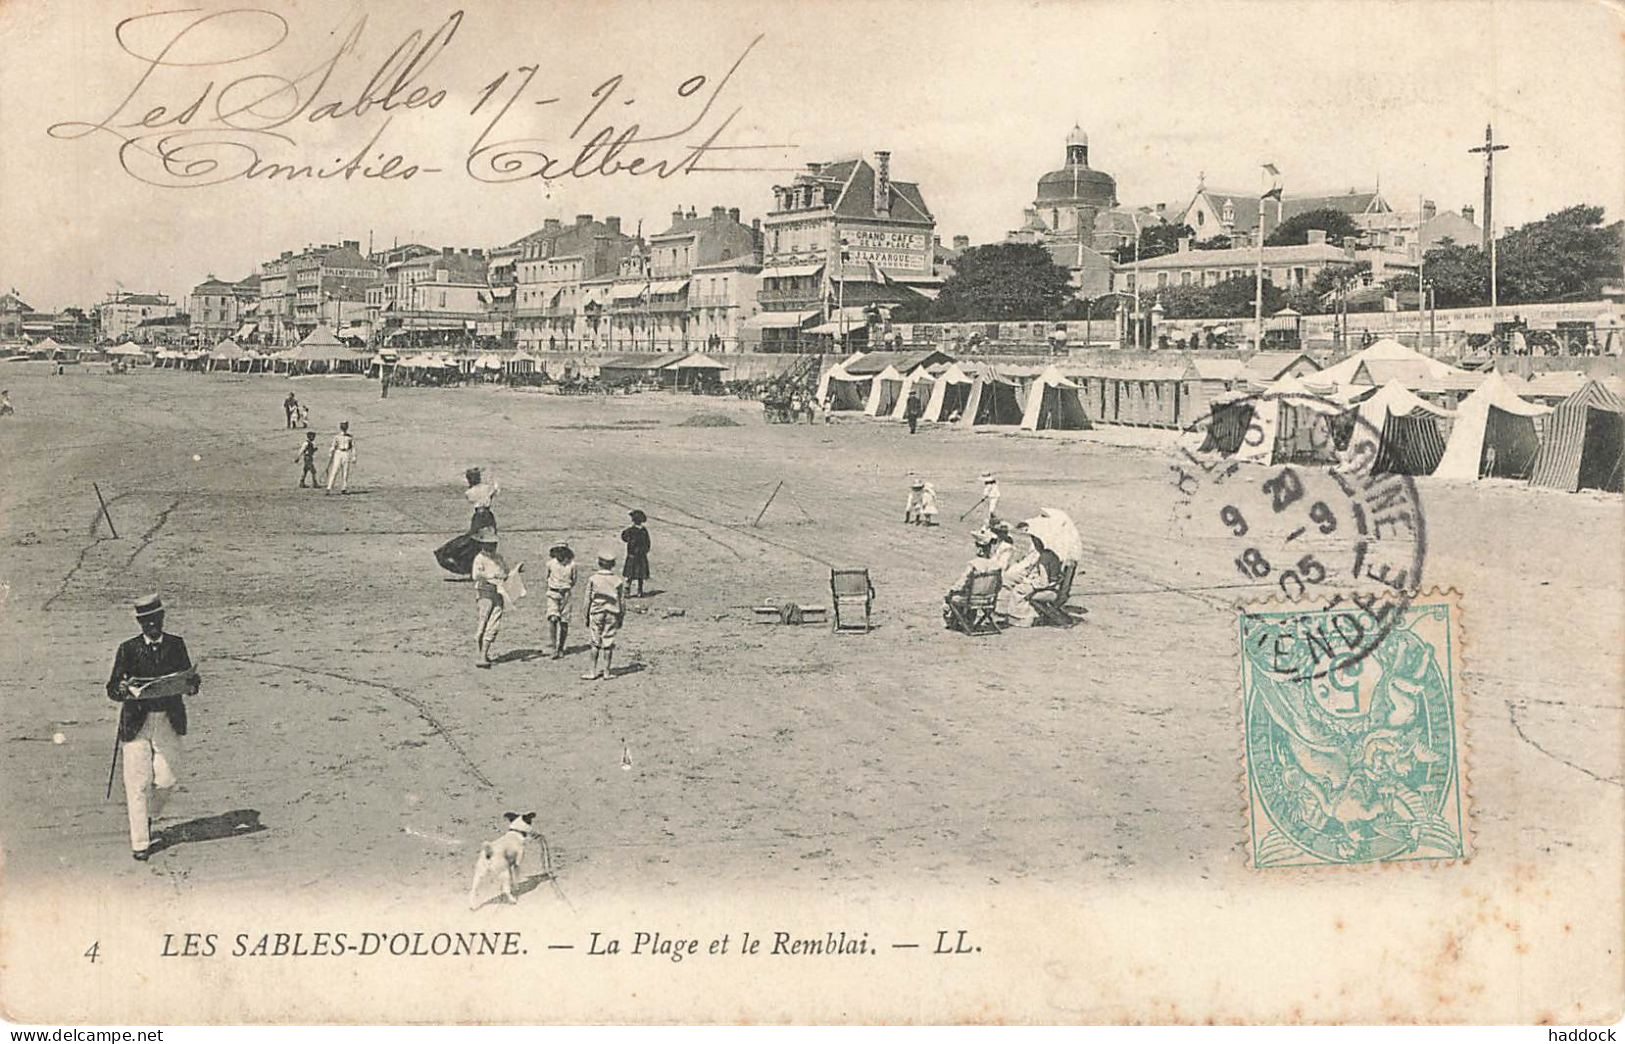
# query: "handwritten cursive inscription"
214, 102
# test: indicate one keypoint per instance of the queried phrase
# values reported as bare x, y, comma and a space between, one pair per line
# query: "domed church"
1076, 218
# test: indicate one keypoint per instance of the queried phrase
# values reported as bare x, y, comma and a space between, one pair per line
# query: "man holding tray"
152, 674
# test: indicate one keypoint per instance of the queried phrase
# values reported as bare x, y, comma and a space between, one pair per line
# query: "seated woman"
959, 594
1036, 578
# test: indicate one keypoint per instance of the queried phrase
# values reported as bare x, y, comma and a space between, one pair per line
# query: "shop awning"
792, 271
777, 320
670, 286
246, 329
626, 293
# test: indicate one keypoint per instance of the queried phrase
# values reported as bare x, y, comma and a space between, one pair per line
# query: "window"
1162, 280
1201, 218
1185, 278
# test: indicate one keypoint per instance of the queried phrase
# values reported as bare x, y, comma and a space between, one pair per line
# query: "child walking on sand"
606, 608
561, 582
307, 453
636, 539
928, 505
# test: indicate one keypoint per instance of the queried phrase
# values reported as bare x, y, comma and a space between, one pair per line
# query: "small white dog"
504, 855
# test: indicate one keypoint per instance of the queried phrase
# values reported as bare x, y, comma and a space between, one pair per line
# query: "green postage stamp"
1353, 732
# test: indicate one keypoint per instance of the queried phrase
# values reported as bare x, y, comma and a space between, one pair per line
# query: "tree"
1220, 242
1234, 298
1003, 281
1460, 275
1337, 225
1568, 255
1155, 241
1339, 278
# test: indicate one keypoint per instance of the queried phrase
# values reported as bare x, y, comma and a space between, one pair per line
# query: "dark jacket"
913, 408
135, 659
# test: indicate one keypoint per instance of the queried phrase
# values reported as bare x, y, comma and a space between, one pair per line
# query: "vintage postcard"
1091, 511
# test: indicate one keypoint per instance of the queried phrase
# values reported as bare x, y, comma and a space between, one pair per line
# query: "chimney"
552, 225
677, 216
719, 214
1430, 210
1162, 208
1317, 235
1185, 244
583, 219
477, 252
353, 244
883, 183
962, 242
447, 251
614, 225
691, 210
733, 214
1467, 212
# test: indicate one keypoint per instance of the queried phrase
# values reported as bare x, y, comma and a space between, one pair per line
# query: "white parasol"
1055, 528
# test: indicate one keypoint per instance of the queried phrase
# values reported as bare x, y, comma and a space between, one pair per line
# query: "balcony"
808, 297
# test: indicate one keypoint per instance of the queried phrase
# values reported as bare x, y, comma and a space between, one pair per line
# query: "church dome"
1076, 184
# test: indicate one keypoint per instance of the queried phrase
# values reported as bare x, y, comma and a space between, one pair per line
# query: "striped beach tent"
1410, 442
1584, 447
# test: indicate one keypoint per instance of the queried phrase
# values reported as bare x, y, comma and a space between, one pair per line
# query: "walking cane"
973, 507
112, 766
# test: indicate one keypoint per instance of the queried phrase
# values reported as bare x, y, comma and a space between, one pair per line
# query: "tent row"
1492, 433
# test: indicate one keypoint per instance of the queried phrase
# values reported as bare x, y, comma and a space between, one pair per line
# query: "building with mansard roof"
843, 239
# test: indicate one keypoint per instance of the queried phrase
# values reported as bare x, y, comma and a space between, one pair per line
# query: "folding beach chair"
851, 591
977, 614
1054, 614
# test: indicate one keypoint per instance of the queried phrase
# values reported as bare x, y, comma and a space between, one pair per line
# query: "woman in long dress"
456, 555
636, 539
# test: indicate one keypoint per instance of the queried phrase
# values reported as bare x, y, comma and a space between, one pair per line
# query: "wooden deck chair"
1054, 614
978, 613
850, 591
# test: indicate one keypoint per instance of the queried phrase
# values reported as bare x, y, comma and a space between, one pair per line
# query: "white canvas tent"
844, 391
1410, 440
1384, 351
994, 400
1494, 435
884, 393
1054, 402
919, 383
1294, 423
949, 394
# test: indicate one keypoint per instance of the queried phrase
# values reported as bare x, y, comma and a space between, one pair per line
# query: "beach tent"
919, 383
1384, 361
950, 393
1494, 435
884, 391
993, 400
489, 361
227, 355
1054, 402
1229, 416
1409, 439
1296, 422
521, 362
1584, 447
695, 368
844, 391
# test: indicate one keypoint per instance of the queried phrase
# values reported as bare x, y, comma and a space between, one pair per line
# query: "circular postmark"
1294, 496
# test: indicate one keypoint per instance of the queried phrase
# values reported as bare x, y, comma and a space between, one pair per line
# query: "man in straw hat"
150, 729
488, 572
606, 608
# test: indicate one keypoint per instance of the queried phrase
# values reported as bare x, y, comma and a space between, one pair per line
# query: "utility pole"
1489, 149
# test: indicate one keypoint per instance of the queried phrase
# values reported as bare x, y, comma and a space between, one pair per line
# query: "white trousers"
339, 467
150, 761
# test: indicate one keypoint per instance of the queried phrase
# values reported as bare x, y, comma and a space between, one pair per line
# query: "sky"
973, 100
